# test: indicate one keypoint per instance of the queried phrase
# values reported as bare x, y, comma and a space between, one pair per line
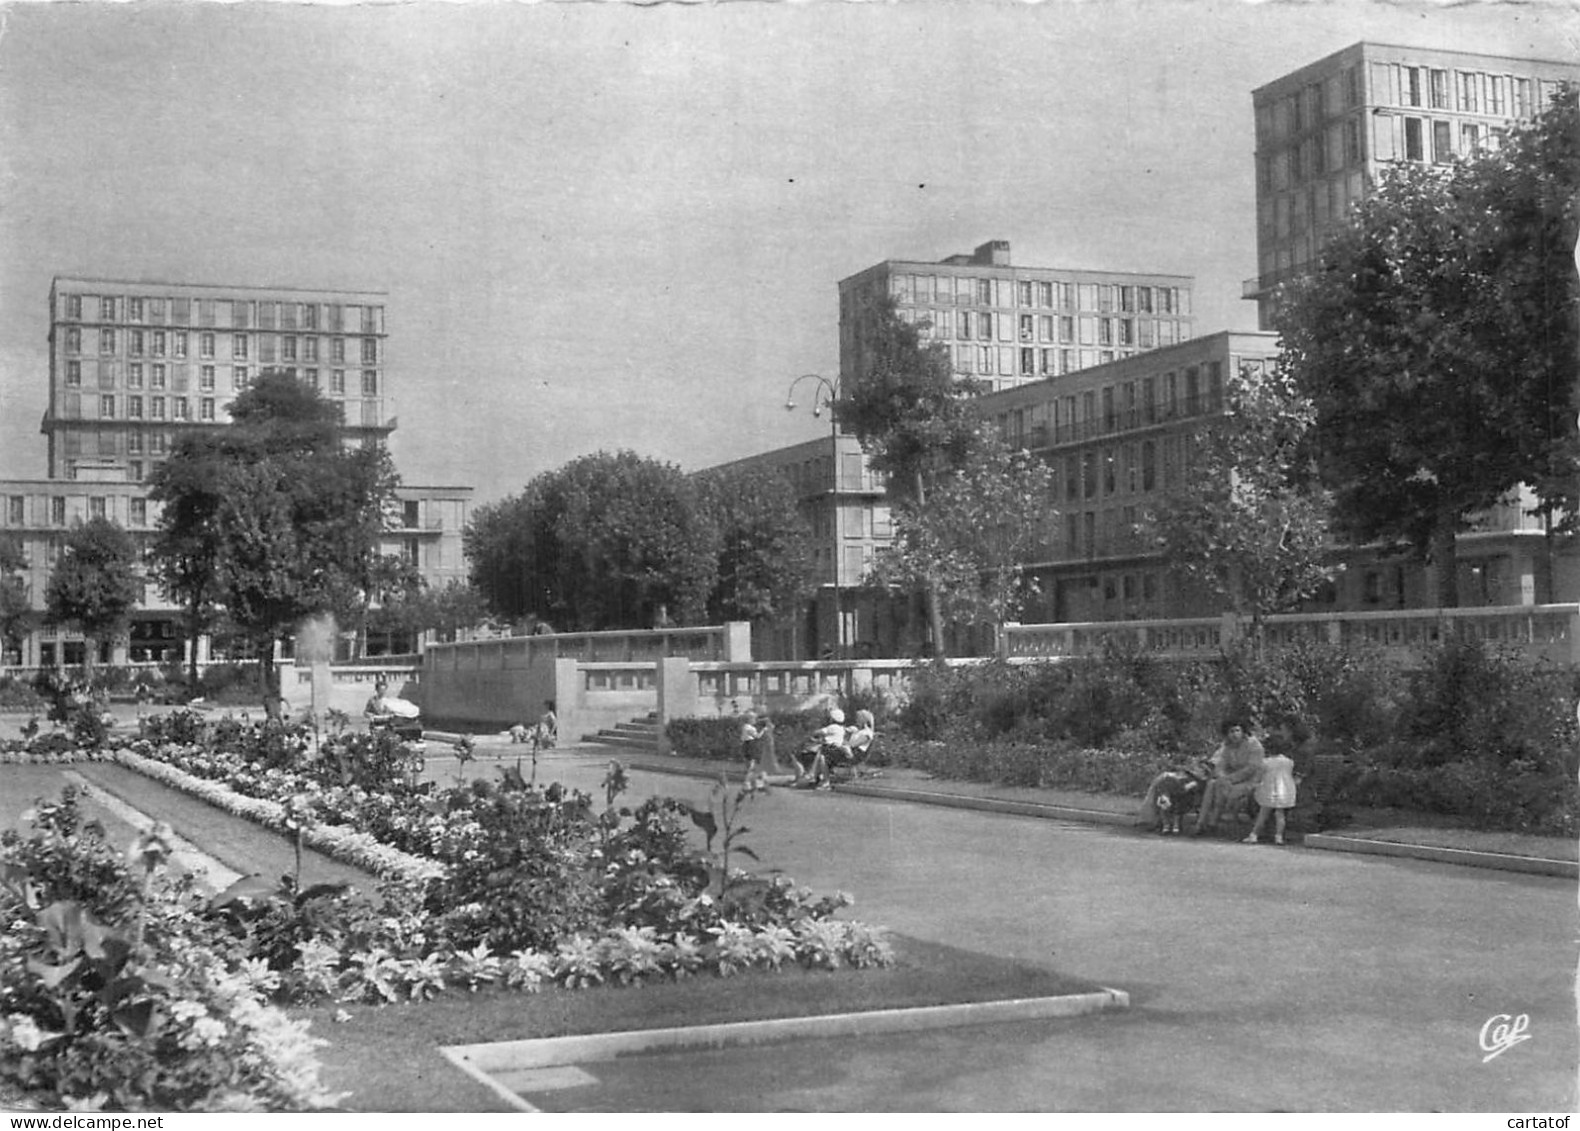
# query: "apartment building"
1325, 132
1117, 439
134, 363
1006, 325
130, 362
423, 528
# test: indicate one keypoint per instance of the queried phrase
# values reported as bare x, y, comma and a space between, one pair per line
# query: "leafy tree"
184, 556
971, 541
1250, 521
285, 515
94, 587
17, 617
1437, 339
765, 569
607, 541
912, 415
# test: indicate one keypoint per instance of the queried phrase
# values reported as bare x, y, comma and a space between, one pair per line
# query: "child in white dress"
1275, 793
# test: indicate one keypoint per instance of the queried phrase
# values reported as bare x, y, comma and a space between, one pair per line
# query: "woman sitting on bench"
826, 750
836, 746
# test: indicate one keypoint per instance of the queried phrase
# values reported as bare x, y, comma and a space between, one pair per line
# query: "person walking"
1275, 793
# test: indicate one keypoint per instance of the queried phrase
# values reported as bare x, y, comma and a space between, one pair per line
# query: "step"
627, 742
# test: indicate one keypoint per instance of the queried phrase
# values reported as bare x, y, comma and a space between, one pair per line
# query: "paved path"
1261, 978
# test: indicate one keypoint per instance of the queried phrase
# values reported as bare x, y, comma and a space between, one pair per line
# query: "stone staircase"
638, 734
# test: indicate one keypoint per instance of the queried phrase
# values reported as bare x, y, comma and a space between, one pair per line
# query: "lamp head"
789, 406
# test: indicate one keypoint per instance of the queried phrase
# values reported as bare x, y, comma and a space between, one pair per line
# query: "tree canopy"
1437, 340
972, 539
94, 586
764, 544
622, 541
274, 517
914, 419
1250, 521
607, 541
906, 405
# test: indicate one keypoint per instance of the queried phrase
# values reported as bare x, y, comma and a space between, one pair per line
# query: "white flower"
26, 1034
188, 1011
209, 1030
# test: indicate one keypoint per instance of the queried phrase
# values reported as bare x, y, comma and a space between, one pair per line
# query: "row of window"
270, 347
1432, 139
243, 313
98, 507
1467, 92
161, 376
1034, 361
1068, 329
1192, 391
1103, 298
1403, 85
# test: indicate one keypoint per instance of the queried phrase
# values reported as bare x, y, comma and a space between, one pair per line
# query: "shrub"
115, 999
19, 695
1473, 702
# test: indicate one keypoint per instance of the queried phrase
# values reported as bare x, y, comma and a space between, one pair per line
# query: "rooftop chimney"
994, 253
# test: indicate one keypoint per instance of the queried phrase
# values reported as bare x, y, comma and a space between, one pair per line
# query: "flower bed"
117, 991
488, 883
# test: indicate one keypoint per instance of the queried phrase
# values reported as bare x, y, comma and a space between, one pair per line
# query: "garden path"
1261, 978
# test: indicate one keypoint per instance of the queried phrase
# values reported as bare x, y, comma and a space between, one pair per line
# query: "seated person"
858, 739
1236, 768
375, 708
827, 750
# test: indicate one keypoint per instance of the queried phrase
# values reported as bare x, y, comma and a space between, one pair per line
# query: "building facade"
1325, 132
132, 364
1006, 325
1118, 438
131, 361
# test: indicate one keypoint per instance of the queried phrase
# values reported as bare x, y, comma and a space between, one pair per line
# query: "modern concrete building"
1118, 438
1325, 132
130, 361
1007, 325
133, 363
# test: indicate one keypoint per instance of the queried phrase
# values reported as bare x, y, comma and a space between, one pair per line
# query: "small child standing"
751, 733
1275, 793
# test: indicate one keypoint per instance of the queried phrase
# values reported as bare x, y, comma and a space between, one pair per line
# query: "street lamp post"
825, 394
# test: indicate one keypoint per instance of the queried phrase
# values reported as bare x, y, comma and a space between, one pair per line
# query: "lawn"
238, 844
388, 1056
21, 786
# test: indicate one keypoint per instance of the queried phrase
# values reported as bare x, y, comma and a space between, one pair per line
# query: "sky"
610, 226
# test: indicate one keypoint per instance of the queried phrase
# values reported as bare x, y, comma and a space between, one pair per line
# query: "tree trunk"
194, 630
271, 680
1445, 560
935, 617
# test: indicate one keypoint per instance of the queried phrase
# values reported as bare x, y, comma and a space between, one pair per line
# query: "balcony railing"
1549, 632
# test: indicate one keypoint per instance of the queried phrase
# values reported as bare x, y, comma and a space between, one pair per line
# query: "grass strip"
388, 1057
234, 841
22, 785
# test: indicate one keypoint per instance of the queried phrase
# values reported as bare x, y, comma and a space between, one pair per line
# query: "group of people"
542, 736
831, 747
1240, 771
